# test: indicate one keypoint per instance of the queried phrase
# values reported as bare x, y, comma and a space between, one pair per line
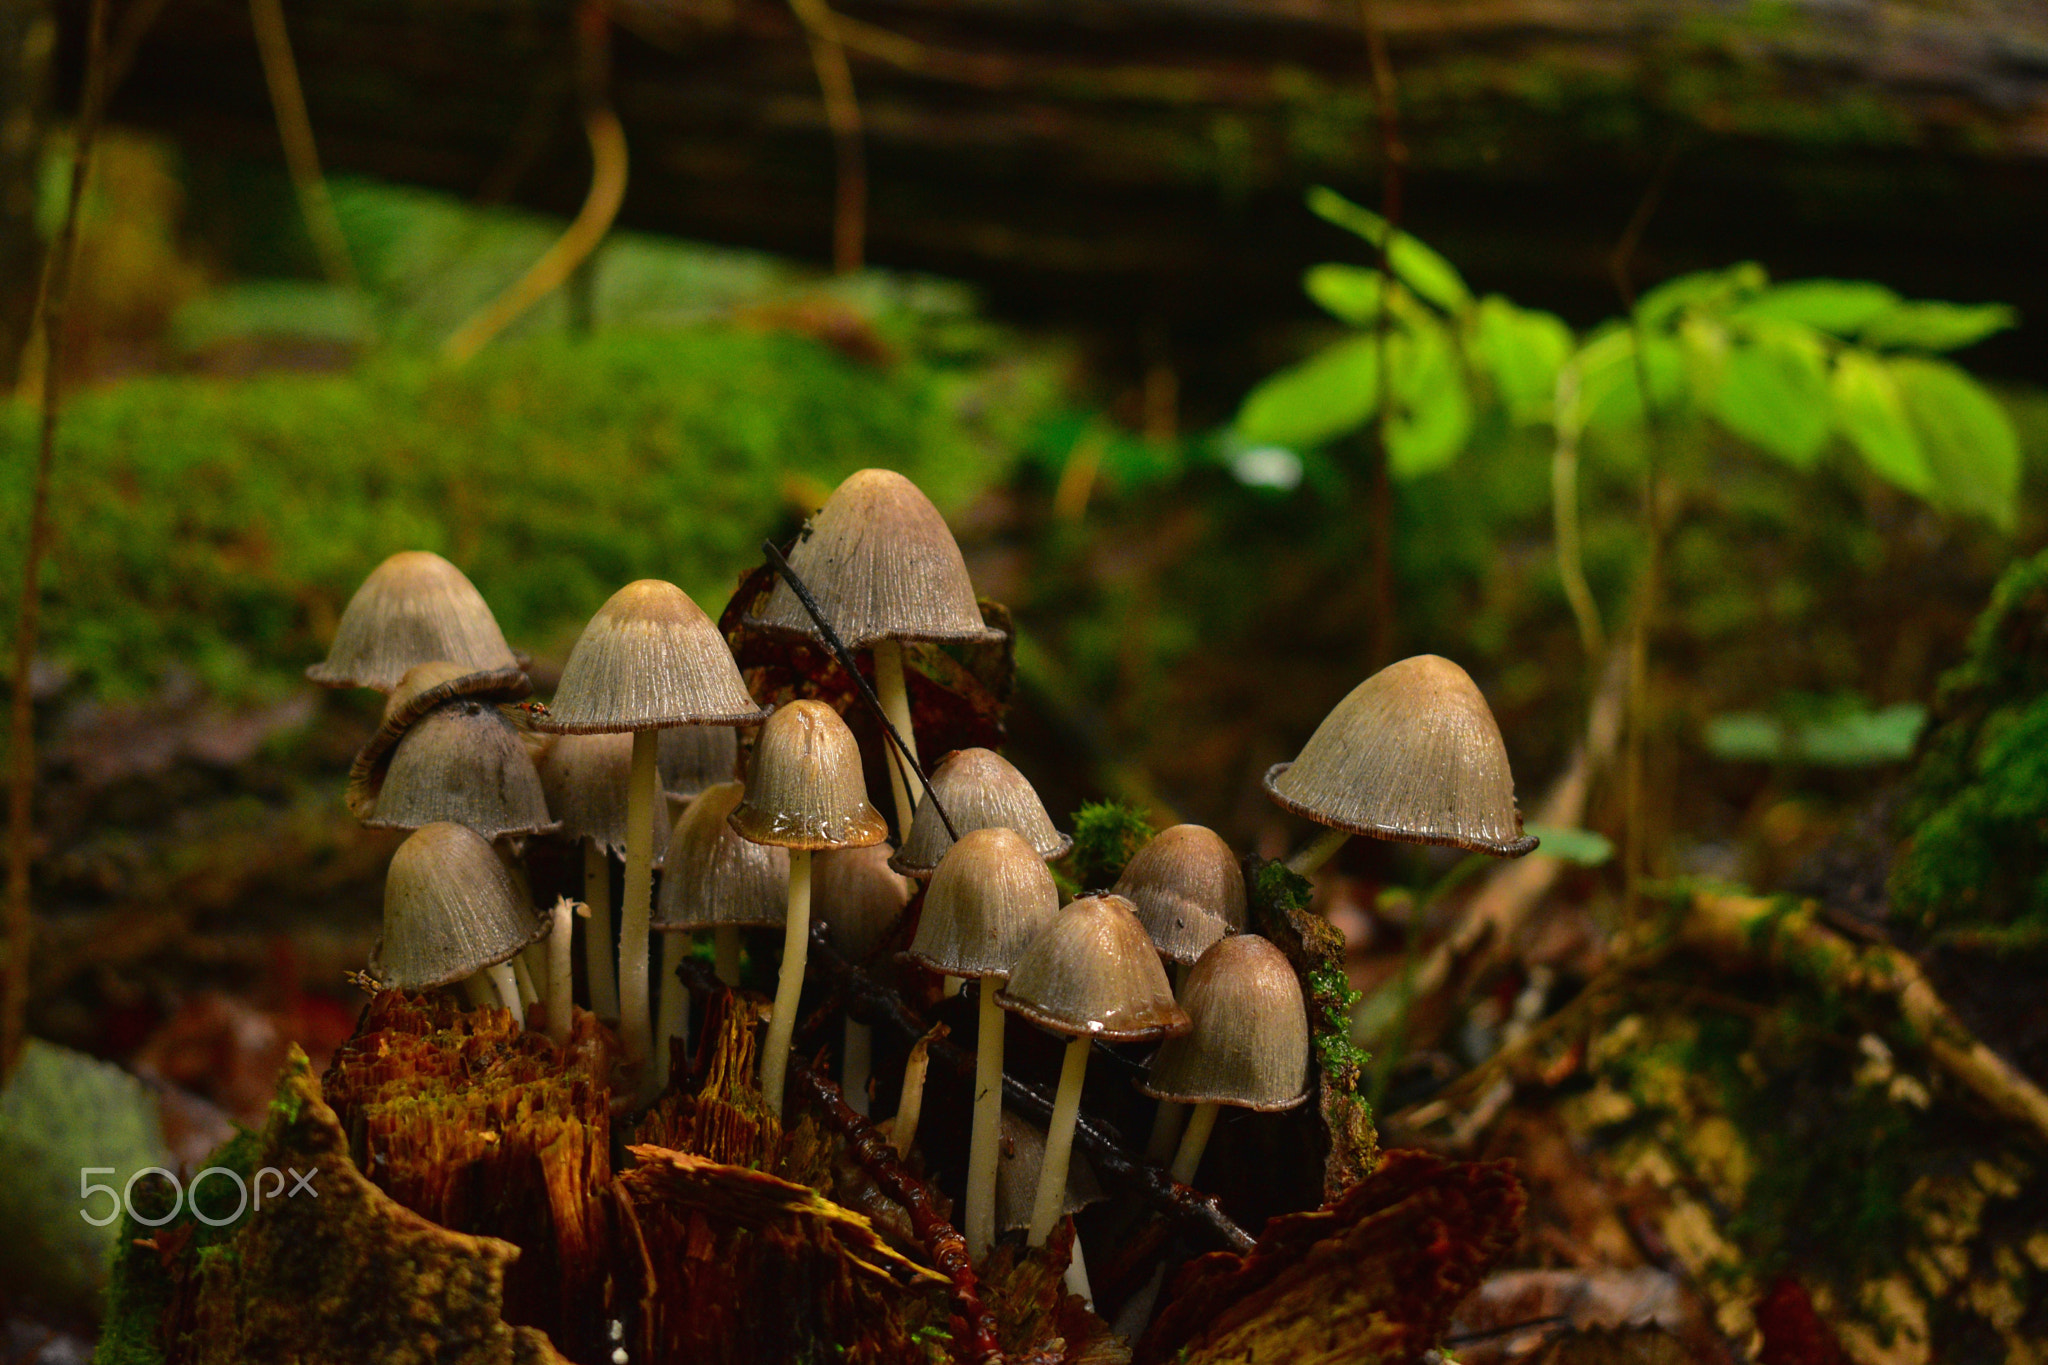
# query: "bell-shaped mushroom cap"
1188, 889
882, 566
715, 877
693, 757
452, 907
1093, 970
1020, 1151
422, 688
464, 761
805, 789
414, 607
1249, 1045
1412, 754
585, 778
990, 897
979, 790
857, 897
649, 659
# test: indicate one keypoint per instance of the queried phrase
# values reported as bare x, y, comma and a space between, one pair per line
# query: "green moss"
1107, 834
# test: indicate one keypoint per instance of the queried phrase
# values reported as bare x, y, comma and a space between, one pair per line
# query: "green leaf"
1521, 350
1971, 448
1837, 307
1774, 391
1610, 397
1583, 847
1931, 326
1349, 293
1870, 412
1414, 264
1432, 414
1856, 738
1710, 290
1328, 394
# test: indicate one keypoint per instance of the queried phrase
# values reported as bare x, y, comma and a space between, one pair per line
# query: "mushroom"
561, 996
1412, 754
979, 789
990, 897
453, 910
447, 750
1248, 1047
858, 898
693, 757
649, 660
1090, 974
1023, 1157
718, 881
884, 569
414, 608
804, 792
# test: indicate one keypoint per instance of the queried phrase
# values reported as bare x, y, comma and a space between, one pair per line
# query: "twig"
295, 131
842, 115
1564, 514
52, 314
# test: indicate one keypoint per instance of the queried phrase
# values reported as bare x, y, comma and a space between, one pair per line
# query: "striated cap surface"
990, 896
649, 659
466, 761
1412, 754
805, 789
882, 566
1093, 971
451, 908
413, 608
1249, 1044
980, 790
693, 757
857, 897
714, 876
1020, 1151
419, 690
1188, 889
585, 778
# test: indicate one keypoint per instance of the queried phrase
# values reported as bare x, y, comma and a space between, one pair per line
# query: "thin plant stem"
1059, 1144
894, 692
506, 984
1564, 510
789, 985
522, 977
1187, 1158
983, 1154
561, 1000
842, 116
301, 154
1389, 1056
1306, 862
643, 796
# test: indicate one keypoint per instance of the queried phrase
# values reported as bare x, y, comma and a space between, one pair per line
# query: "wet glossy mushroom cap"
992, 894
452, 907
1188, 888
980, 790
649, 659
693, 757
585, 778
1249, 1044
1020, 1152
413, 608
882, 565
1092, 971
856, 896
804, 787
1412, 754
715, 877
447, 750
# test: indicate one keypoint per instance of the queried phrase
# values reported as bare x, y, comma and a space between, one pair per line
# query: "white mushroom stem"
672, 1021
522, 977
1077, 1276
894, 695
984, 1147
1166, 1126
1316, 854
909, 1108
1059, 1143
725, 953
477, 987
796, 942
858, 1056
507, 986
597, 938
952, 986
642, 795
561, 973
1188, 1159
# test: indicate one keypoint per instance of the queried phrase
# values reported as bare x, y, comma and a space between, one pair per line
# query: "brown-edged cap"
1020, 1151
990, 897
715, 877
447, 750
452, 907
649, 659
585, 778
1092, 970
1188, 889
419, 690
804, 788
693, 757
979, 790
857, 897
882, 566
1249, 1045
1412, 754
413, 608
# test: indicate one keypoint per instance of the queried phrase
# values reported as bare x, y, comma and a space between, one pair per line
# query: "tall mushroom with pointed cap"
453, 909
448, 750
1090, 974
649, 660
718, 881
1412, 754
804, 793
884, 569
990, 897
1248, 1047
978, 789
414, 608
857, 897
